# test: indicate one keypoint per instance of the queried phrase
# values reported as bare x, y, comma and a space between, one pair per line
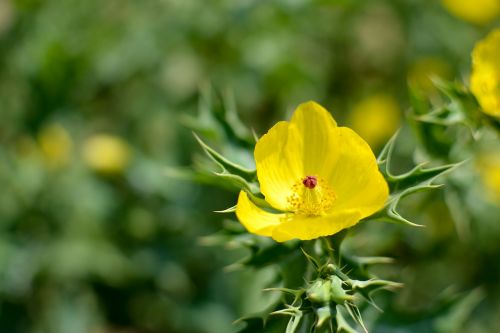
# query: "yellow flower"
55, 145
488, 166
318, 177
106, 153
485, 76
375, 118
474, 11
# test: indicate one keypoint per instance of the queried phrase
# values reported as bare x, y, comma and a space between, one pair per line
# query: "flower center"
310, 182
311, 196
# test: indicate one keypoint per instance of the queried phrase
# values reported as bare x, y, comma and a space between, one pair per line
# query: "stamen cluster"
311, 196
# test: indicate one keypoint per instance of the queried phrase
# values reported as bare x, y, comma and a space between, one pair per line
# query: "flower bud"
324, 291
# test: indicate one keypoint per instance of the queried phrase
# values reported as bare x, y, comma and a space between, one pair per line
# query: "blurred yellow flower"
375, 118
474, 11
319, 178
422, 71
55, 145
485, 76
106, 153
488, 166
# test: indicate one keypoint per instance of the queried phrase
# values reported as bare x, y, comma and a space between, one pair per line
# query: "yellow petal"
316, 135
291, 151
305, 228
485, 76
277, 164
355, 178
254, 219
478, 11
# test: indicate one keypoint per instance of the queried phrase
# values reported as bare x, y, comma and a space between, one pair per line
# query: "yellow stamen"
313, 201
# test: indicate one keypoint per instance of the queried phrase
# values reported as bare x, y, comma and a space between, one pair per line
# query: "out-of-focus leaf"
449, 316
454, 320
218, 118
267, 255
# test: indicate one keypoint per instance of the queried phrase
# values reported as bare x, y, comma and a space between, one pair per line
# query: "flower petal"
355, 177
278, 165
254, 219
316, 130
305, 227
291, 151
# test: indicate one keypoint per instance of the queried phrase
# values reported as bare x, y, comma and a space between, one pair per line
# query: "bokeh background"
96, 236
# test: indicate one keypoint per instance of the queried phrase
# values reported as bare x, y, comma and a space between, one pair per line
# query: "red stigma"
310, 182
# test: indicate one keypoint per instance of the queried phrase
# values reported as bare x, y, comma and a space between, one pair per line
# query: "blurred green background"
96, 238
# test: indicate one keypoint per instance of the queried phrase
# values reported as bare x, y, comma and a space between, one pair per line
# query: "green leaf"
355, 315
368, 287
205, 121
342, 324
231, 118
226, 165
231, 209
294, 322
218, 119
416, 180
295, 317
232, 182
311, 259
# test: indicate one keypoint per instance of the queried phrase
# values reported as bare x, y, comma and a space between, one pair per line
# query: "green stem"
332, 245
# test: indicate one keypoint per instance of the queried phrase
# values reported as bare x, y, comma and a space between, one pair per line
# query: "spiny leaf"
295, 317
225, 164
461, 107
294, 322
444, 116
287, 311
355, 315
205, 121
384, 158
311, 259
207, 177
342, 324
295, 292
416, 180
260, 201
218, 118
227, 210
373, 285
236, 181
417, 176
231, 117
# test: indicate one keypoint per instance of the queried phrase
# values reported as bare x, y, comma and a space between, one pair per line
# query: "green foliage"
82, 250
416, 180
